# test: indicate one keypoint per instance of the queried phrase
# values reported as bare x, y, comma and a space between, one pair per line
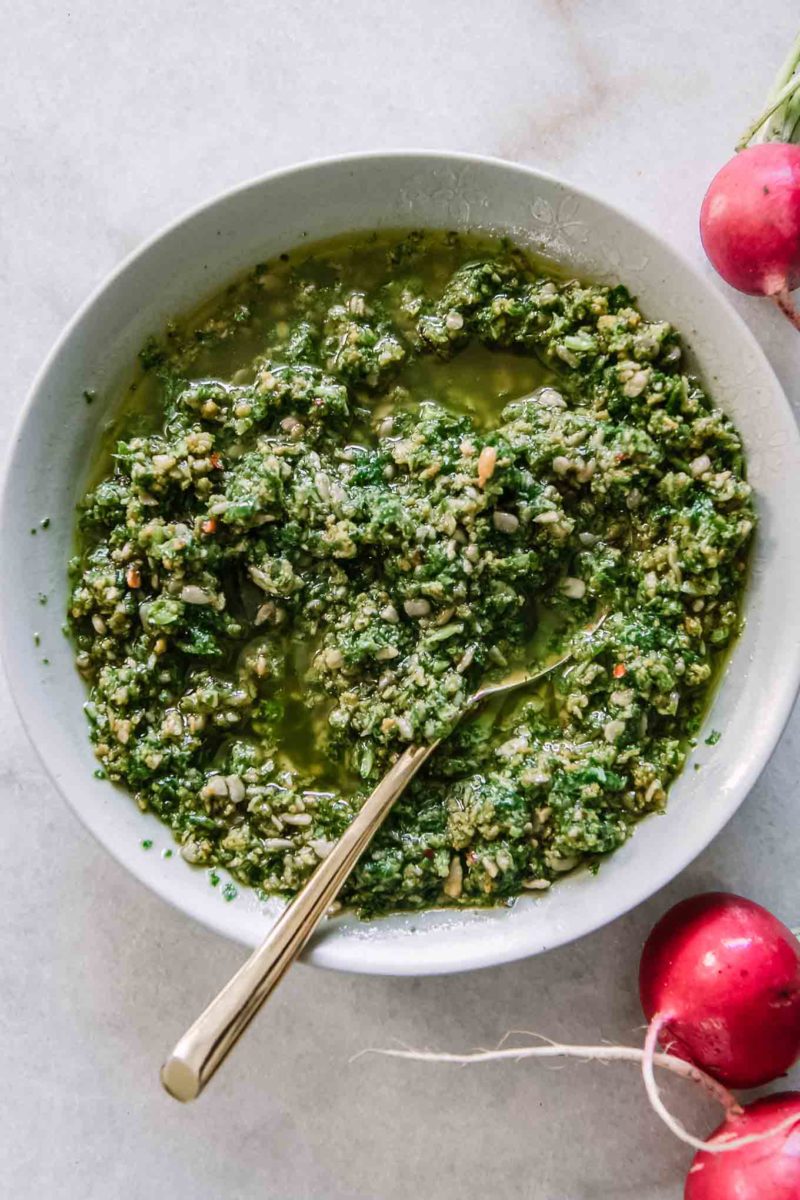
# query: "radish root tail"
722, 1142
785, 303
647, 1058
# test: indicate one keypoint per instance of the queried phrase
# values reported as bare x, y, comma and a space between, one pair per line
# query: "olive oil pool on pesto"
345, 490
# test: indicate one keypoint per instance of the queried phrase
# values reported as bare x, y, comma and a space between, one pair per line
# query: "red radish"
766, 1169
720, 978
750, 219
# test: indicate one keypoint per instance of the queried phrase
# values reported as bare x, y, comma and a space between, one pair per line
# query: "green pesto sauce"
345, 490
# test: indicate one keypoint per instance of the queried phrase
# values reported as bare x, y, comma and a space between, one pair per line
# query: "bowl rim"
483, 954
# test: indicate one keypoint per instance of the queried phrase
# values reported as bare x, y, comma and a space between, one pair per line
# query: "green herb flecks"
348, 488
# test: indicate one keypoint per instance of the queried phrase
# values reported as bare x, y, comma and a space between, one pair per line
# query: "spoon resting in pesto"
206, 1043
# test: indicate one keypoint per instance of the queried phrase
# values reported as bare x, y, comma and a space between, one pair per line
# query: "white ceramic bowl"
53, 445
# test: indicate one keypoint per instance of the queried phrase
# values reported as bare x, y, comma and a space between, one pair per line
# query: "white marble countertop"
118, 117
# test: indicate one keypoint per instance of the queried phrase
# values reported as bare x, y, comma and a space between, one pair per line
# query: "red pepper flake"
621, 456
133, 577
209, 526
619, 670
215, 460
427, 854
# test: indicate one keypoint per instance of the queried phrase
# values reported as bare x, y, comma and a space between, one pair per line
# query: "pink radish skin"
765, 1170
721, 976
750, 222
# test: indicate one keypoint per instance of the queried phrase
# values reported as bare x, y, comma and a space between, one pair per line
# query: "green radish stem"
789, 129
778, 120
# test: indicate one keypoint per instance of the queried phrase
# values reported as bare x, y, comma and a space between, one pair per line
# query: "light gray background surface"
114, 118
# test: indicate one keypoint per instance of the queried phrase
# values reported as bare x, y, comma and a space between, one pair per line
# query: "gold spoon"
206, 1043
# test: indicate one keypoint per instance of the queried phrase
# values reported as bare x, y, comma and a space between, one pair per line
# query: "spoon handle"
206, 1043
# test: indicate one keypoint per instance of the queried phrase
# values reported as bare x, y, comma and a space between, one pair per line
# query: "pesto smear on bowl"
344, 491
